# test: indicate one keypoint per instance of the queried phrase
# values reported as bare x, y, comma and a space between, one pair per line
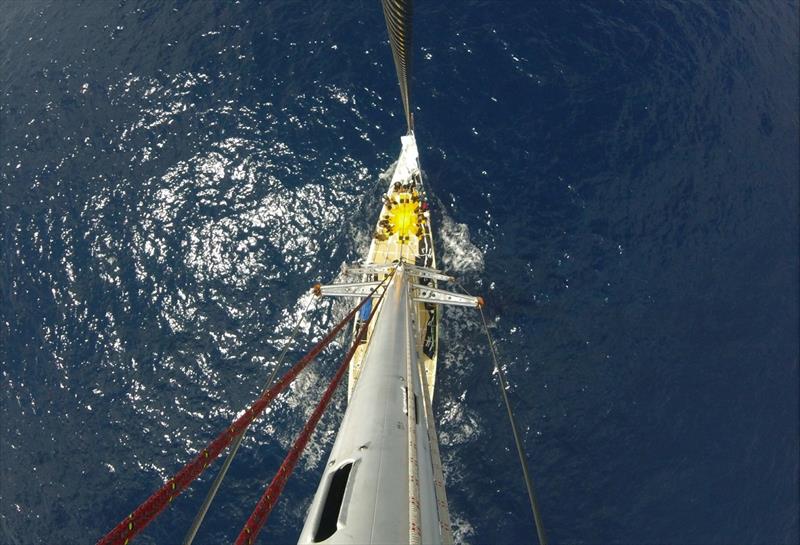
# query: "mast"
372, 477
382, 482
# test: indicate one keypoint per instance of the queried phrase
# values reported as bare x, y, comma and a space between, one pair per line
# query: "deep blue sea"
619, 179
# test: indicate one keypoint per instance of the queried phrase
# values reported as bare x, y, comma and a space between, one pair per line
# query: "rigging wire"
212, 492
523, 458
143, 515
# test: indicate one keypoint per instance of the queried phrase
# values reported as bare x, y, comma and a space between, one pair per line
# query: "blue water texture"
618, 179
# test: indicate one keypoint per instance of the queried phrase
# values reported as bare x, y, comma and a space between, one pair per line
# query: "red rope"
264, 506
134, 523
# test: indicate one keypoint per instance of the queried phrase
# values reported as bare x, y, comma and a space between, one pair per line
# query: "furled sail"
398, 23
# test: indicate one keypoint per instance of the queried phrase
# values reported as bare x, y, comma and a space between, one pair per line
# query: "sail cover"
398, 23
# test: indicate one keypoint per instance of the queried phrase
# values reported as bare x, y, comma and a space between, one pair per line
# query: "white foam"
463, 530
459, 254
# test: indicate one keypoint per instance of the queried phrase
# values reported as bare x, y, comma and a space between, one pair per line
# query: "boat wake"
460, 256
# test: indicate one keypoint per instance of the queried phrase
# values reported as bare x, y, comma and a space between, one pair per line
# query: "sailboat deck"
403, 233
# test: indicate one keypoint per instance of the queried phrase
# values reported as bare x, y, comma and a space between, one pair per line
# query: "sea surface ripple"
619, 179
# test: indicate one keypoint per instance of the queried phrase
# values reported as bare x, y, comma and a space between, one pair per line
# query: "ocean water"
619, 179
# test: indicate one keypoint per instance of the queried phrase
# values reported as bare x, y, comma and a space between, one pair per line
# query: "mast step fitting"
426, 294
